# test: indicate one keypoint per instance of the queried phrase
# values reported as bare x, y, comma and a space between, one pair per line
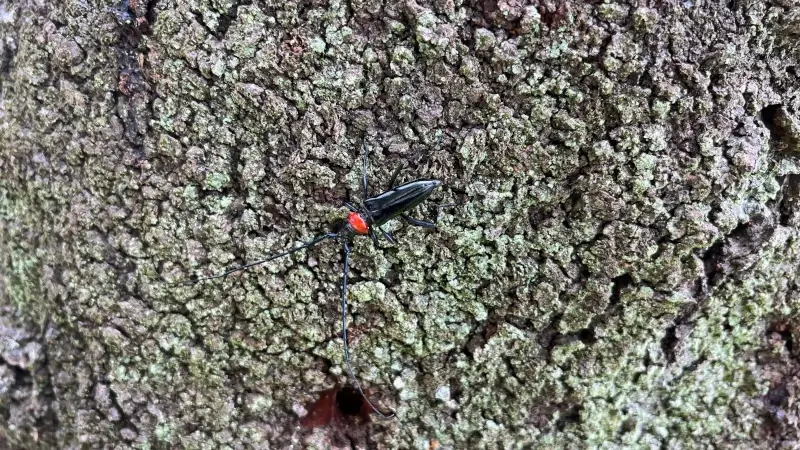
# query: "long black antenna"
344, 336
256, 263
364, 171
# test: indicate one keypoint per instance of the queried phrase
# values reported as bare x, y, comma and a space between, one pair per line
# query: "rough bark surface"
623, 271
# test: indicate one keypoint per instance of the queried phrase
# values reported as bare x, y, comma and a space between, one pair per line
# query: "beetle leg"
374, 237
425, 223
417, 222
351, 206
387, 235
394, 175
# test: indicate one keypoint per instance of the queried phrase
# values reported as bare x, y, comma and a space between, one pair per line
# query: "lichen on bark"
621, 272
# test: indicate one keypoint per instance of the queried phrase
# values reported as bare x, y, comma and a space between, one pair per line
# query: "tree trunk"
621, 269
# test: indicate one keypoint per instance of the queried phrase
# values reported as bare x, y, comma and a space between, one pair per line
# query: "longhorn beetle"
363, 220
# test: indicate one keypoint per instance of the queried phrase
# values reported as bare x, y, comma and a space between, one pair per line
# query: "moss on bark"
622, 273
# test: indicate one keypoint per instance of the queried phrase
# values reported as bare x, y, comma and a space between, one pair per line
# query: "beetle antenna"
256, 263
344, 336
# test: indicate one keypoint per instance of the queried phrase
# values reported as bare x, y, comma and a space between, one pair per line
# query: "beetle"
363, 220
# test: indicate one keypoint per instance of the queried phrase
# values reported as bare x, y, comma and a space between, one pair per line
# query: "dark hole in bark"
620, 283
668, 343
572, 415
768, 117
587, 336
349, 401
711, 261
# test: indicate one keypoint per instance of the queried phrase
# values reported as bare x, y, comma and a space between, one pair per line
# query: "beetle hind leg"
425, 223
418, 223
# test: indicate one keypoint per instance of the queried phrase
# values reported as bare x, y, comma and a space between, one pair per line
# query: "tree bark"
621, 270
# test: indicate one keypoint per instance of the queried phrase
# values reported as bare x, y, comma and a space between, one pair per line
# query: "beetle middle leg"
386, 235
374, 237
